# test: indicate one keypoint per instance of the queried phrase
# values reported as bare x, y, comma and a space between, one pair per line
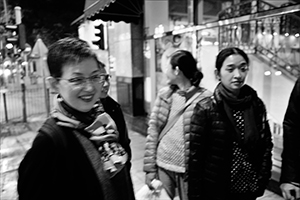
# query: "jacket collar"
167, 92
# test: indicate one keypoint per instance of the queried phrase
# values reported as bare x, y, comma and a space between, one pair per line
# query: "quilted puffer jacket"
211, 150
158, 120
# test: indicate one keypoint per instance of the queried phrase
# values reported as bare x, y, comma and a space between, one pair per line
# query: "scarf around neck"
98, 127
244, 102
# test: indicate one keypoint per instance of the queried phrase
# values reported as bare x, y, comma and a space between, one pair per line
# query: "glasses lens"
104, 77
77, 80
107, 77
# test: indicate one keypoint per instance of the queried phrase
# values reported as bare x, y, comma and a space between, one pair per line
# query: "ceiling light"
278, 73
267, 73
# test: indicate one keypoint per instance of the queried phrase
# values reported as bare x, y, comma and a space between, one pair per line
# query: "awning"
129, 11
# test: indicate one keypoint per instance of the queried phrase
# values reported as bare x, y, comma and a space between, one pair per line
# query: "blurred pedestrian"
114, 109
76, 153
231, 151
290, 168
168, 141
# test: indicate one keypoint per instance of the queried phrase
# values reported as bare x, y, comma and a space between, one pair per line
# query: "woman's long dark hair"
223, 54
185, 61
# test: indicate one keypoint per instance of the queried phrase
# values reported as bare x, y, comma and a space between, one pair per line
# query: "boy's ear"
217, 75
53, 82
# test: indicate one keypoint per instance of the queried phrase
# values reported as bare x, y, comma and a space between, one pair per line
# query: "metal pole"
46, 92
5, 11
190, 12
108, 49
24, 100
5, 106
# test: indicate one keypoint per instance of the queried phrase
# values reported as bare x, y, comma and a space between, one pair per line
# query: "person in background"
290, 168
76, 153
167, 145
232, 148
114, 109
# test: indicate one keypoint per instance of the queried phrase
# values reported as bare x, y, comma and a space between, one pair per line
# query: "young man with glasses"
114, 109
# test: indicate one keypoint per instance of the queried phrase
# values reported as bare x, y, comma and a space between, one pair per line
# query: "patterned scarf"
99, 127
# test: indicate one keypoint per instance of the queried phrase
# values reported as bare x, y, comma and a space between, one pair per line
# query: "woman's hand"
290, 191
150, 176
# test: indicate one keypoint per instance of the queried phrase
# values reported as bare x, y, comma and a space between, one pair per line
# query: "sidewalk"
16, 139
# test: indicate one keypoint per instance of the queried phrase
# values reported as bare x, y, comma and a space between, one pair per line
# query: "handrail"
243, 8
288, 69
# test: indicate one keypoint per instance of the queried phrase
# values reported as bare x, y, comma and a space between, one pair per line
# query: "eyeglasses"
107, 77
81, 81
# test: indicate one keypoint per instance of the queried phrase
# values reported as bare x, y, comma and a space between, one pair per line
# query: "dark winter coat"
57, 167
211, 150
290, 168
113, 108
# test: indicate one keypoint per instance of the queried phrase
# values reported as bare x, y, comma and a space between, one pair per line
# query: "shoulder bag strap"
172, 121
51, 129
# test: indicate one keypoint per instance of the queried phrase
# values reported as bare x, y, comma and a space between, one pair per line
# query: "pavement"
16, 139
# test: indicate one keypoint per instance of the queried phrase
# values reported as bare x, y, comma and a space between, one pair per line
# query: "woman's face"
81, 97
233, 72
170, 74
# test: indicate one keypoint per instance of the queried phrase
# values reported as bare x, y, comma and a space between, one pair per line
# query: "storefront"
269, 34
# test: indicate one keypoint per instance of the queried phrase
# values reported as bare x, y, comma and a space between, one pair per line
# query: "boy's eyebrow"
76, 73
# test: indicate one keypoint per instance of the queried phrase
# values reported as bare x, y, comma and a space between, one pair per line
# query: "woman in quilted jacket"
167, 151
231, 152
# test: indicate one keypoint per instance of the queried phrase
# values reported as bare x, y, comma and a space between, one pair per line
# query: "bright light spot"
264, 33
274, 33
6, 63
267, 73
216, 43
205, 43
5, 72
97, 22
204, 33
159, 29
9, 46
24, 63
278, 73
286, 34
177, 27
297, 35
27, 48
